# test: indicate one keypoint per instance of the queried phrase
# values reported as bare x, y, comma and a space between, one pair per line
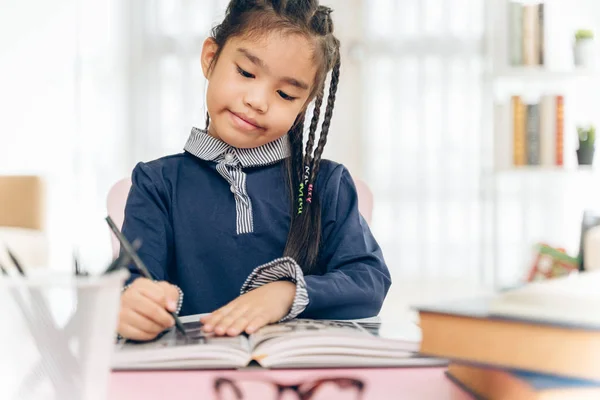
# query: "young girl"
244, 223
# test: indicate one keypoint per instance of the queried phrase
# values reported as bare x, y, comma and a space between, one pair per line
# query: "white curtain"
422, 83
167, 86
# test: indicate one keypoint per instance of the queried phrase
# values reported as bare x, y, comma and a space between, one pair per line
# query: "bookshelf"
540, 74
528, 59
538, 79
582, 170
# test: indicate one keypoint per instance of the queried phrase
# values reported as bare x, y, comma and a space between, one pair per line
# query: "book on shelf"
526, 38
529, 134
550, 327
532, 126
300, 343
515, 33
519, 128
560, 129
500, 384
547, 129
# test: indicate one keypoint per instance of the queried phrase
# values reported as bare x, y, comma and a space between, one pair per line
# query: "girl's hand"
144, 308
253, 310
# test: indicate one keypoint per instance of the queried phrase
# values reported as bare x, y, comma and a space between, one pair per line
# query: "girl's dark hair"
248, 18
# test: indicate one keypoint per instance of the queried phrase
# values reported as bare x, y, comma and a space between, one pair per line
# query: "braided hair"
308, 18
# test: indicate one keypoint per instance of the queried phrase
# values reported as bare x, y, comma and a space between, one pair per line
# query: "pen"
123, 258
140, 265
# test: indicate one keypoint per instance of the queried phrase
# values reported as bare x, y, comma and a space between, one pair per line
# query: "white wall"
37, 102
62, 113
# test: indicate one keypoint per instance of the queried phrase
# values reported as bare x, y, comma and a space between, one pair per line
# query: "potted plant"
583, 50
587, 138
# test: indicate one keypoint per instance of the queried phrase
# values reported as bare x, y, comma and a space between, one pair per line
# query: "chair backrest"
115, 205
365, 199
22, 202
117, 198
22, 214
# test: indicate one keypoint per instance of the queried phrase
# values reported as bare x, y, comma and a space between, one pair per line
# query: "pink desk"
380, 384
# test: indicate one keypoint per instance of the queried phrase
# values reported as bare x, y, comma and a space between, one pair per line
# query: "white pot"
585, 53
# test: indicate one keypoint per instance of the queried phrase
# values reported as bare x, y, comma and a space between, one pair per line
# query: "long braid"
304, 239
316, 162
295, 135
310, 143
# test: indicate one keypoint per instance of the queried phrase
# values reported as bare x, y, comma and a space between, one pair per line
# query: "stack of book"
530, 133
539, 341
526, 34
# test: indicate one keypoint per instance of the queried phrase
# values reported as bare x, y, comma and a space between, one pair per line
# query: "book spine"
519, 150
541, 34
530, 18
515, 34
533, 134
547, 131
560, 112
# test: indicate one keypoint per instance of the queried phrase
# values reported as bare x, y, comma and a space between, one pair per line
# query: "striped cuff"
281, 269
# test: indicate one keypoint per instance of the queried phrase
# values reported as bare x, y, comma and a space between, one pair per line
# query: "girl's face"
257, 87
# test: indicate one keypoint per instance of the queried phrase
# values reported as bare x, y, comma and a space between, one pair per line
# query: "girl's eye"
286, 96
245, 74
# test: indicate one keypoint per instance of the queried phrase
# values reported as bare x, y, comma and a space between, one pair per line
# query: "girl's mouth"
244, 123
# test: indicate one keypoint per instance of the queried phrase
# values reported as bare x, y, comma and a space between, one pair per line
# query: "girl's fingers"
230, 319
256, 323
238, 326
131, 332
152, 290
132, 318
149, 309
213, 319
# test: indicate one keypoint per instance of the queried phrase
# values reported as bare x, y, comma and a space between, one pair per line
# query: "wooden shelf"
538, 169
540, 74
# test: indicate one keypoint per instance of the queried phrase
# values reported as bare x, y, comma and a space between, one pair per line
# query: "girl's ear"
209, 50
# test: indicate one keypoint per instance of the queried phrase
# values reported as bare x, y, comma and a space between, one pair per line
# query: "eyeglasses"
341, 388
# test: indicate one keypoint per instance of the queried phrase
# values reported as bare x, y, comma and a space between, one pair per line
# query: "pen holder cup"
58, 335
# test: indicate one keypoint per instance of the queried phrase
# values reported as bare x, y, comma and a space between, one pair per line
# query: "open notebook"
300, 343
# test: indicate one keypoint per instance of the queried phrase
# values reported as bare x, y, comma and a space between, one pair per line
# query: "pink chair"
365, 200
117, 197
115, 205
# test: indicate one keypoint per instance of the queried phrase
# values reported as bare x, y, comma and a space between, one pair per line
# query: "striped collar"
208, 148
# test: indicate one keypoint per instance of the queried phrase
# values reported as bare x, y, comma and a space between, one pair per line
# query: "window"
422, 130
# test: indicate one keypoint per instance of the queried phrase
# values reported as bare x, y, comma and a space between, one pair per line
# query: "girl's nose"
257, 99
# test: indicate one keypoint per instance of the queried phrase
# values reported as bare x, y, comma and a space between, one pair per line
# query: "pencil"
140, 265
